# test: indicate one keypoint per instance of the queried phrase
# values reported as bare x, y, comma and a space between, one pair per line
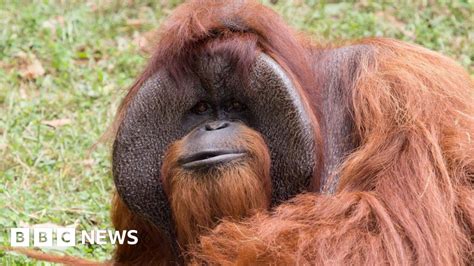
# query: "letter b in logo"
20, 237
43, 237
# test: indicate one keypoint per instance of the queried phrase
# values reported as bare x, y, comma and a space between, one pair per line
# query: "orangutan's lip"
210, 158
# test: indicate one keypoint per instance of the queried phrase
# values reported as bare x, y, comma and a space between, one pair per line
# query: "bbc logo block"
43, 237
66, 237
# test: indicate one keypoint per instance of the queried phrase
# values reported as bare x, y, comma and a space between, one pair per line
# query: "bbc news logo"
67, 237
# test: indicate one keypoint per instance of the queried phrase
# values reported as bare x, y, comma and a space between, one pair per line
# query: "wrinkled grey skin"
156, 118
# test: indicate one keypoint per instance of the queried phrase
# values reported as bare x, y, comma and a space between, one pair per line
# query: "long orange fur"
404, 197
200, 199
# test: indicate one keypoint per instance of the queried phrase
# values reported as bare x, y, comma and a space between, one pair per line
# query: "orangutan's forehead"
219, 76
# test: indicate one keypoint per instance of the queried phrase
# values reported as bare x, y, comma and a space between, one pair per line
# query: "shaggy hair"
236, 190
404, 197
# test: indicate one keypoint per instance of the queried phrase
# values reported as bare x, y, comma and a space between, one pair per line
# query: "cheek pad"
153, 121
286, 126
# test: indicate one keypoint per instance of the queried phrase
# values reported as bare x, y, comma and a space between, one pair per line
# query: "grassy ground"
64, 66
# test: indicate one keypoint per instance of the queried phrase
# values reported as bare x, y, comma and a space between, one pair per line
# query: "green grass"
89, 53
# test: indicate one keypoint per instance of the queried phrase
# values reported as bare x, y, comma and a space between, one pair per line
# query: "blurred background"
65, 65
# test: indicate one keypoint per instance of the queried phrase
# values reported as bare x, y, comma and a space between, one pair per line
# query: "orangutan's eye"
235, 106
201, 108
